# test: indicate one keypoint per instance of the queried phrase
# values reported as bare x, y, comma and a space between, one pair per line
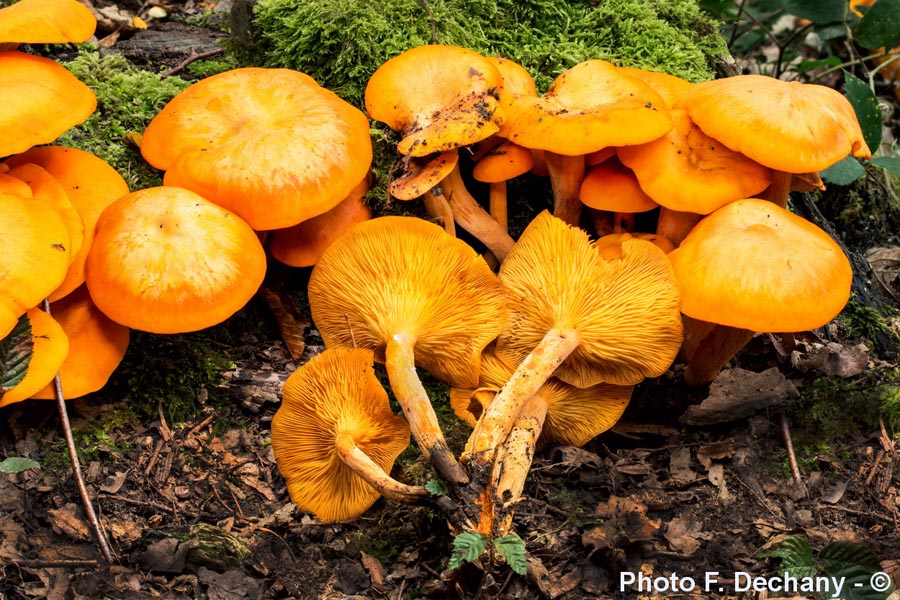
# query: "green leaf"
435, 487
865, 105
793, 551
15, 354
817, 11
844, 172
806, 65
467, 546
890, 164
857, 585
848, 553
880, 25
512, 548
17, 464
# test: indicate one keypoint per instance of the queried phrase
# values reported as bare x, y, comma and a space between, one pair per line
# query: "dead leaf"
834, 495
885, 263
230, 585
67, 521
114, 483
624, 522
834, 360
566, 583
168, 555
737, 393
682, 535
717, 451
680, 466
537, 574
375, 569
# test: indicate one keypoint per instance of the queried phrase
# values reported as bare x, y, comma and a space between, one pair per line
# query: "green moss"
127, 100
865, 322
340, 43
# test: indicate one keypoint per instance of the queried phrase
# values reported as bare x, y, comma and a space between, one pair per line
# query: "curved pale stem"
375, 476
779, 190
495, 424
513, 462
469, 214
438, 207
566, 175
413, 399
498, 204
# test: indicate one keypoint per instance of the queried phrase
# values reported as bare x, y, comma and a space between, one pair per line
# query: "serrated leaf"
841, 554
512, 549
857, 585
865, 105
794, 552
880, 25
817, 11
888, 163
844, 172
467, 546
17, 464
435, 487
16, 350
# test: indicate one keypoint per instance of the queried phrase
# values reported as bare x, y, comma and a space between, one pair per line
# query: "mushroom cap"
34, 255
624, 310
754, 265
335, 393
610, 245
517, 81
590, 106
395, 275
46, 22
422, 174
309, 147
166, 260
302, 244
504, 162
438, 97
48, 188
97, 345
50, 346
39, 101
612, 186
670, 87
688, 171
574, 415
91, 185
785, 125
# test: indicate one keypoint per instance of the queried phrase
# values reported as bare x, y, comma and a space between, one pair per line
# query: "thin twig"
102, 542
54, 564
427, 8
192, 57
789, 446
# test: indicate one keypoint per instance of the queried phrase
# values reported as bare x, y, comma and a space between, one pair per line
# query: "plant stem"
102, 542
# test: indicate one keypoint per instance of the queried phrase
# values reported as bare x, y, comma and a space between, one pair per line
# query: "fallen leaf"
682, 535
168, 555
66, 521
834, 495
230, 585
375, 569
114, 483
680, 465
707, 453
737, 393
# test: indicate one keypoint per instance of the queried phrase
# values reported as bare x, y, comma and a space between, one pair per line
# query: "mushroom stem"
714, 352
497, 421
498, 204
623, 222
413, 399
779, 190
566, 175
438, 207
375, 476
674, 225
514, 461
473, 218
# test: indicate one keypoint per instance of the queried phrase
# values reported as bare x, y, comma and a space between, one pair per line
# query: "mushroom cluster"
550, 348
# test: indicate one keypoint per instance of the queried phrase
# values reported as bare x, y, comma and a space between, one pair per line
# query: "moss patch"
127, 100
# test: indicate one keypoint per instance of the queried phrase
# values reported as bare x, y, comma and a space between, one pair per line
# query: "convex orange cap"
46, 22
270, 145
166, 260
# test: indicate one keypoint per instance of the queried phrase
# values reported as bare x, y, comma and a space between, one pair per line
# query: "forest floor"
691, 486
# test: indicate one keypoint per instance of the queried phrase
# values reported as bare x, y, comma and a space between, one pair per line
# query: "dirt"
197, 509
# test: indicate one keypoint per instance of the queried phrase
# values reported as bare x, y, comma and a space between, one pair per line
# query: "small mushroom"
335, 438
166, 260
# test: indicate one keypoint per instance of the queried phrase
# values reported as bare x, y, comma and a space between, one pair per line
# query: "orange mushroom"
97, 345
403, 288
310, 148
788, 126
502, 163
39, 101
612, 188
91, 185
50, 346
753, 266
46, 22
335, 438
166, 260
